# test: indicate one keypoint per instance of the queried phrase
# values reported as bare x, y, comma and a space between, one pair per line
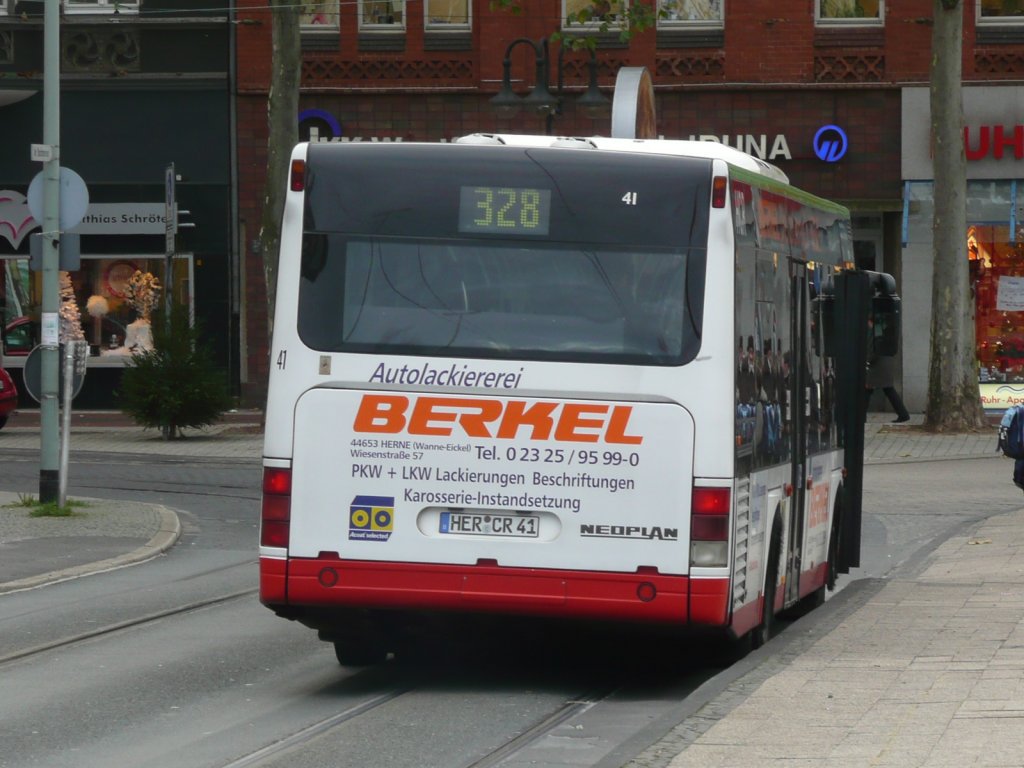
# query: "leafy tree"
176, 384
954, 400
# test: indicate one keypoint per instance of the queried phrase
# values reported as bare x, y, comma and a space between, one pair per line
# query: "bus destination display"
504, 210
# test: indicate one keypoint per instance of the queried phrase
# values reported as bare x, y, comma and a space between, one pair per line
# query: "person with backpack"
1011, 440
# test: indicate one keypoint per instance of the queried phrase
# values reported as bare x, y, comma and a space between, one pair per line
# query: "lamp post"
507, 103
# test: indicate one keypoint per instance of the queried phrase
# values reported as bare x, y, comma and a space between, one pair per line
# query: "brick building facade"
767, 75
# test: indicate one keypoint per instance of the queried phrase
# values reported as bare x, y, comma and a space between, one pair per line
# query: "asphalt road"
199, 674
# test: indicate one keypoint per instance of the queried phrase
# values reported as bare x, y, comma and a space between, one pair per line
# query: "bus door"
804, 397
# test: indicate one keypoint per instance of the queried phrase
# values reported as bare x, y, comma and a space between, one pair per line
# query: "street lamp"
507, 103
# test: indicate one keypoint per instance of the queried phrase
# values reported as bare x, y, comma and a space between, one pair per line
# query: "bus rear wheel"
767, 628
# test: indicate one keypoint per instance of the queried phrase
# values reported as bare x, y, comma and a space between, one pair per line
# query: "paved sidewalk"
104, 534
99, 536
925, 671
238, 435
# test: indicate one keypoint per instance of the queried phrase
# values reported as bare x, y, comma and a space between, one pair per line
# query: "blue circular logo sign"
318, 124
830, 143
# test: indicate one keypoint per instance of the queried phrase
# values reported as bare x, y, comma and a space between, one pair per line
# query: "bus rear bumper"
289, 586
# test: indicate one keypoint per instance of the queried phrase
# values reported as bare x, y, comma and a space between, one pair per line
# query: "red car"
20, 335
8, 396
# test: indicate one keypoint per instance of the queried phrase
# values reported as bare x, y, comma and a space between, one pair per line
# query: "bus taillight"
709, 527
298, 180
276, 511
718, 189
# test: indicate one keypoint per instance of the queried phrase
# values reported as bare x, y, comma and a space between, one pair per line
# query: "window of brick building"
101, 6
382, 15
591, 12
852, 12
446, 14
1000, 11
686, 13
319, 17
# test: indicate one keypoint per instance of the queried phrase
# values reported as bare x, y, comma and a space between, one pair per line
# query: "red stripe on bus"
273, 580
813, 579
527, 591
709, 602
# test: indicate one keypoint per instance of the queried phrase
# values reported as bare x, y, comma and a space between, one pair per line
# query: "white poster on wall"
1010, 295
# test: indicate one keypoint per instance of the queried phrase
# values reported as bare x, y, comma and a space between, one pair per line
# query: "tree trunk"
283, 134
954, 400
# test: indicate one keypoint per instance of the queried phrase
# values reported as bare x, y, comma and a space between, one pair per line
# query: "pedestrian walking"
882, 375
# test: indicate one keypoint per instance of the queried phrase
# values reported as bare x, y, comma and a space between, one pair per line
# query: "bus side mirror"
885, 309
886, 331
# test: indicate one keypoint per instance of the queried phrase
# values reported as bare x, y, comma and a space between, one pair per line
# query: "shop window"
446, 14
101, 6
590, 13
319, 17
381, 15
673, 14
96, 296
1000, 11
997, 279
849, 12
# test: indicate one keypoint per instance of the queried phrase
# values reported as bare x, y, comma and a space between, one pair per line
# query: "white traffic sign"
74, 199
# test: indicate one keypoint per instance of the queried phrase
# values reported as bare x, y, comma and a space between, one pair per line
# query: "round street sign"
74, 199
33, 375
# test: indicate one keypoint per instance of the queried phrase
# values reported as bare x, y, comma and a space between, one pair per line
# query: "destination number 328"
506, 207
559, 456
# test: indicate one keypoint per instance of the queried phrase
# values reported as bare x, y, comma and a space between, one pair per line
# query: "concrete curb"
166, 536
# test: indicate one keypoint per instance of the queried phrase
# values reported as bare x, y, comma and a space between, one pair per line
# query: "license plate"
476, 524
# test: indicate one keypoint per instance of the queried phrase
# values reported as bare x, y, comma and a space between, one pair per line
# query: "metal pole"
49, 471
65, 432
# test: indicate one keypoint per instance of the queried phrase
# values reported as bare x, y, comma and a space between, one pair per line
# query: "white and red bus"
574, 378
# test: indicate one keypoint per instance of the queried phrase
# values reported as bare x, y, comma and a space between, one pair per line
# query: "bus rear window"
488, 299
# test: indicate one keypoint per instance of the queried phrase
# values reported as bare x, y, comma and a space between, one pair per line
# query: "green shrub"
176, 384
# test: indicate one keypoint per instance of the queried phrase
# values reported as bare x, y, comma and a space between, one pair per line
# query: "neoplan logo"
629, 532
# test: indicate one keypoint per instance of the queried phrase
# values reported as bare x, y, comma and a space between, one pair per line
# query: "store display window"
106, 302
997, 276
994, 248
